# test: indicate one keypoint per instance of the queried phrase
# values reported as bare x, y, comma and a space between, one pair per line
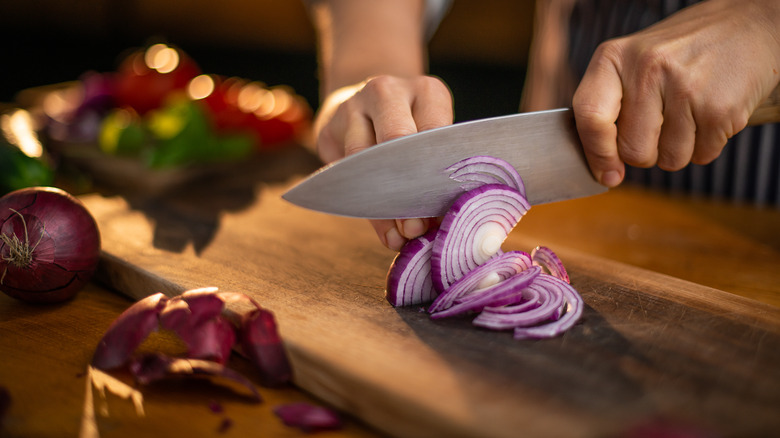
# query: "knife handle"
768, 111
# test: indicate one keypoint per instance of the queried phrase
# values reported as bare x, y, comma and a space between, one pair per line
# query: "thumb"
596, 106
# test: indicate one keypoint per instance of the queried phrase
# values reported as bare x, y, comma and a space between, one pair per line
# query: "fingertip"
393, 239
411, 228
611, 178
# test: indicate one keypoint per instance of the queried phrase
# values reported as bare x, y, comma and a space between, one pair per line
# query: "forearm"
363, 38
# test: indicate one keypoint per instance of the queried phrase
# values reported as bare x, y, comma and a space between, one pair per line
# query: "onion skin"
199, 318
307, 417
64, 239
153, 367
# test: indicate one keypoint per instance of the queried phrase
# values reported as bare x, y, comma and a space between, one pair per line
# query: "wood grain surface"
652, 350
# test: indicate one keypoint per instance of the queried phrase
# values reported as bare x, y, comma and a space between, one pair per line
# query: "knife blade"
407, 178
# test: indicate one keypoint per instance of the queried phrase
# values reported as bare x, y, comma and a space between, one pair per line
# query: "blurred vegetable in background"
22, 159
160, 109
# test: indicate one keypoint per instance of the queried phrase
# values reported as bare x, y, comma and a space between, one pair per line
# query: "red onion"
409, 276
481, 170
491, 272
307, 417
473, 230
49, 245
547, 259
508, 291
529, 293
502, 318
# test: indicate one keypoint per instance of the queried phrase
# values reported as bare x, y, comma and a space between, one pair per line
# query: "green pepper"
183, 135
17, 170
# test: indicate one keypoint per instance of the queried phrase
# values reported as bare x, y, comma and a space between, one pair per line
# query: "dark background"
480, 49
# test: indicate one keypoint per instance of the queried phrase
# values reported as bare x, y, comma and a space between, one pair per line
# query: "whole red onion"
49, 245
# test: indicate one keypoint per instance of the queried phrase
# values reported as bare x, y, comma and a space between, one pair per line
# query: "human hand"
675, 92
379, 109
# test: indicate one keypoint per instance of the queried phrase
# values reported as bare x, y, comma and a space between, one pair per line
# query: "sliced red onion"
154, 367
485, 275
308, 417
480, 170
505, 292
504, 318
127, 332
473, 230
409, 277
547, 259
572, 314
560, 309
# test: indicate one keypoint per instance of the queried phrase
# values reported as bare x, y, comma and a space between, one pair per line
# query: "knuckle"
670, 161
590, 117
635, 153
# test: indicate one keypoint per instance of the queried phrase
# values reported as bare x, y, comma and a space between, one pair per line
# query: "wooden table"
45, 349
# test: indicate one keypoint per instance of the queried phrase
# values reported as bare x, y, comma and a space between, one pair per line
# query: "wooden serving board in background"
651, 350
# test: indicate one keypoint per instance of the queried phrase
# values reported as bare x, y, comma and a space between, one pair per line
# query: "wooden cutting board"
651, 350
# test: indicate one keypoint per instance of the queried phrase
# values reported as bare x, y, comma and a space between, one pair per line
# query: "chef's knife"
407, 177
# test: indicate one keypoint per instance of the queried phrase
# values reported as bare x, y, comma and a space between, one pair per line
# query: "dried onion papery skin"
49, 247
261, 343
153, 367
491, 272
409, 277
509, 291
473, 230
128, 331
548, 259
196, 317
307, 417
481, 169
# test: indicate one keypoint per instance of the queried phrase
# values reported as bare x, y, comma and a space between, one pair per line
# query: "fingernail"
411, 228
611, 178
394, 240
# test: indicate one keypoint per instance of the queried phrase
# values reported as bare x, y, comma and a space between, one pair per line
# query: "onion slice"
505, 292
503, 318
473, 230
464, 264
409, 276
489, 273
574, 307
547, 259
481, 170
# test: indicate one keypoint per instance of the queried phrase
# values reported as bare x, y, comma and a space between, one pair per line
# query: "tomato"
145, 79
